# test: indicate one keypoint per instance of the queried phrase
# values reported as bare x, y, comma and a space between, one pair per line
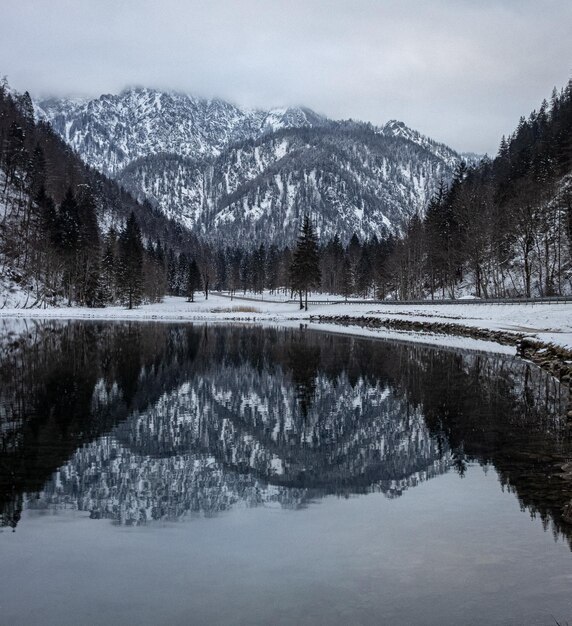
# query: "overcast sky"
460, 71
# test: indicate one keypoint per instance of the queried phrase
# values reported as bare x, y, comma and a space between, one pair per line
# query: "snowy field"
549, 323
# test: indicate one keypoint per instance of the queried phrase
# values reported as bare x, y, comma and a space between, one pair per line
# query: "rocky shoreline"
553, 359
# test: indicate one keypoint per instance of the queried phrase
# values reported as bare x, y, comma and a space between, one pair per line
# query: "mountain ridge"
205, 125
199, 161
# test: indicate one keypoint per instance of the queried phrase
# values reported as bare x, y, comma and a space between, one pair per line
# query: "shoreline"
406, 327
541, 334
556, 360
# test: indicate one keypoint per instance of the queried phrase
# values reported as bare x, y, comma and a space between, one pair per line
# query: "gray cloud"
460, 71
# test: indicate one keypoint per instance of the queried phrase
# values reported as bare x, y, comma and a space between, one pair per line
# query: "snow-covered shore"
548, 323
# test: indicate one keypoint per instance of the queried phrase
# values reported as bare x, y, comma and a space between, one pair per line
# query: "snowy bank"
546, 323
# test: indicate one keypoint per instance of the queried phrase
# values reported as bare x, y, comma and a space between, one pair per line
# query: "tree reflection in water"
141, 421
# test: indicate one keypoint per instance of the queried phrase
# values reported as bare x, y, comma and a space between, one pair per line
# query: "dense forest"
502, 228
69, 235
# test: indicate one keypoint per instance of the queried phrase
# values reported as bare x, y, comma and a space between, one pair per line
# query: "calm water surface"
176, 474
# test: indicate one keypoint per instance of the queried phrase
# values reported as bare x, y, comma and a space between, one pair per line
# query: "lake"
157, 473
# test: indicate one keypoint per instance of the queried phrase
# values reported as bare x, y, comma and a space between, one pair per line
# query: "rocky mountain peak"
227, 172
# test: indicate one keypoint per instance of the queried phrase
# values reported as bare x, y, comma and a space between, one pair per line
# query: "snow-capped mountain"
231, 173
395, 128
348, 177
111, 131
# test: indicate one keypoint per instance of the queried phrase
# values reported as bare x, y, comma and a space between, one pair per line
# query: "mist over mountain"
227, 172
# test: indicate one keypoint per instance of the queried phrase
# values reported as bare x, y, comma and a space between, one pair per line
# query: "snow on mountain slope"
229, 172
350, 180
111, 131
395, 128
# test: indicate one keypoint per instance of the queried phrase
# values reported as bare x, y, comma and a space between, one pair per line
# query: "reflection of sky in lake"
450, 551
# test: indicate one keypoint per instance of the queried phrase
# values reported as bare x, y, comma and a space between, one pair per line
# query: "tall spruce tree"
346, 280
89, 269
130, 269
193, 280
68, 238
109, 271
305, 267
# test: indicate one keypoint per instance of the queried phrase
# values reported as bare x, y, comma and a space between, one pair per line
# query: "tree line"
67, 233
501, 228
504, 227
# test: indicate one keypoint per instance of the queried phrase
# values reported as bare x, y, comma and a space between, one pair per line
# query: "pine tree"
130, 267
89, 251
109, 267
346, 278
364, 273
68, 242
305, 268
68, 225
271, 272
259, 269
193, 280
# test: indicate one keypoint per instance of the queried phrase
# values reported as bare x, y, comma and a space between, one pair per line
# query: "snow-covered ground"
549, 323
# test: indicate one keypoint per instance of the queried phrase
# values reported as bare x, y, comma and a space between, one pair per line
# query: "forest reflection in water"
138, 422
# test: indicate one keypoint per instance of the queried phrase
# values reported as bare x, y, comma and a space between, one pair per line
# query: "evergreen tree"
272, 268
109, 271
193, 280
364, 273
130, 266
259, 269
88, 278
68, 242
346, 278
305, 268
37, 174
68, 225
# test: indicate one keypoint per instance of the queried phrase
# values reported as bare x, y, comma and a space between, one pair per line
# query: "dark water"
176, 474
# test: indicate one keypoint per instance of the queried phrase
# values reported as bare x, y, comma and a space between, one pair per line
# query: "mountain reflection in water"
141, 421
